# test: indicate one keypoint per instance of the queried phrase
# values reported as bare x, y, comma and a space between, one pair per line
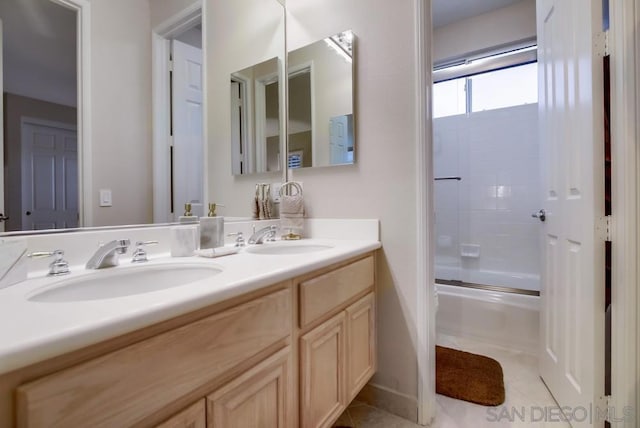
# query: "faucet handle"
272, 233
140, 255
239, 239
59, 266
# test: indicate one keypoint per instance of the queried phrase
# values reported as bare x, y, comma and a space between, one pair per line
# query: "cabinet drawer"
123, 387
321, 294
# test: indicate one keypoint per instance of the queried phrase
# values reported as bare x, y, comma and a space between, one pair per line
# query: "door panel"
570, 107
49, 176
322, 373
187, 125
260, 398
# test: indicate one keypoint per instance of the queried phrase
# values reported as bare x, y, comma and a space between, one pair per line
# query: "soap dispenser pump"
212, 229
187, 217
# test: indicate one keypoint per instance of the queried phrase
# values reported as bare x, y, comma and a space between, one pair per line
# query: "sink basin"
125, 281
288, 248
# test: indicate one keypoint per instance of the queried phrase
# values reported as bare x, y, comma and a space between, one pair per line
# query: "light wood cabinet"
256, 399
194, 416
338, 356
290, 355
361, 344
322, 373
122, 387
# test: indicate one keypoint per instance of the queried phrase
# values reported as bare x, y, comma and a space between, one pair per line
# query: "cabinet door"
194, 416
361, 344
322, 373
260, 398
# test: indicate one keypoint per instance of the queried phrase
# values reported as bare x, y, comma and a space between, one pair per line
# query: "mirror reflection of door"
49, 175
255, 119
39, 87
301, 149
186, 122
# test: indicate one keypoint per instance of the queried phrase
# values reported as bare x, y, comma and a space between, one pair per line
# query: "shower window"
451, 98
486, 82
504, 88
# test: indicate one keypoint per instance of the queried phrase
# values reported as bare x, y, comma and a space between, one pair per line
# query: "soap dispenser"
187, 217
211, 229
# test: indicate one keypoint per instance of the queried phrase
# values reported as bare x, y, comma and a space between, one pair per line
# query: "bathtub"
504, 319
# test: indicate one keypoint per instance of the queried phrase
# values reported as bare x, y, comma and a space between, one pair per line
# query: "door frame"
248, 150
425, 321
624, 47
83, 77
260, 92
305, 67
161, 100
25, 120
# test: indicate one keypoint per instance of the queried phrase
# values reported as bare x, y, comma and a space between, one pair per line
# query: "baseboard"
390, 401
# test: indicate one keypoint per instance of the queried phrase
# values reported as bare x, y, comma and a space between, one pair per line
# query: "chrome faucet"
107, 254
59, 266
268, 233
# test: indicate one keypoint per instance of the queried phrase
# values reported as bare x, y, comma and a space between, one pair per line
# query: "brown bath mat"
469, 377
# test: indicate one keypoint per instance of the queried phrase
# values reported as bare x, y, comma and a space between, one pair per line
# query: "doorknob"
28, 213
3, 218
540, 215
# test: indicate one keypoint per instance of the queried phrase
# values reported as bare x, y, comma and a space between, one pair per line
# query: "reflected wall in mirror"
321, 121
39, 133
255, 118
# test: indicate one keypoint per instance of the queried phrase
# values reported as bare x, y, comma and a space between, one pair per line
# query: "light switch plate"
105, 198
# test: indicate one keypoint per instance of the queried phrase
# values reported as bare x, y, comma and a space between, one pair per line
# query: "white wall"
496, 154
239, 34
121, 104
39, 51
502, 26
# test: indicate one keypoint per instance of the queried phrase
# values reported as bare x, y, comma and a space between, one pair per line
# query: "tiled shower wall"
496, 154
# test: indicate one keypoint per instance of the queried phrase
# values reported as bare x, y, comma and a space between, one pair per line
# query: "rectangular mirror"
132, 149
321, 93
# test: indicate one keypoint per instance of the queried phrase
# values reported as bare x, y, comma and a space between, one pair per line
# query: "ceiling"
448, 11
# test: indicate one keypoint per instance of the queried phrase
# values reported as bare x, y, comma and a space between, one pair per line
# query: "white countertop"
35, 331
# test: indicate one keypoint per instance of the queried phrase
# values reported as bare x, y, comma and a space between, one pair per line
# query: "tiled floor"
526, 395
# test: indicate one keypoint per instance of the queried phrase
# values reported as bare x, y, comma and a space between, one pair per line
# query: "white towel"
292, 213
262, 207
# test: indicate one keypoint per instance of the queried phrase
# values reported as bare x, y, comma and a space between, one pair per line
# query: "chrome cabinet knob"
540, 215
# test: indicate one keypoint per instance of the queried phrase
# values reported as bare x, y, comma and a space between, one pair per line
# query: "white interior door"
49, 176
339, 135
2, 208
188, 153
571, 137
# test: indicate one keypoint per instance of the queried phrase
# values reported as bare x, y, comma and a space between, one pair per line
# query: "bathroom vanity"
289, 347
